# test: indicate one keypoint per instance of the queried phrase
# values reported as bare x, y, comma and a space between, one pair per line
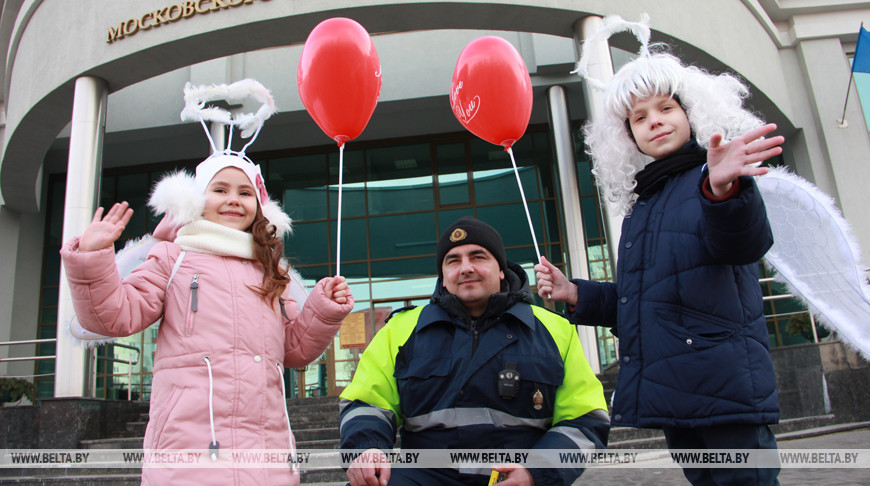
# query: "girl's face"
659, 125
231, 200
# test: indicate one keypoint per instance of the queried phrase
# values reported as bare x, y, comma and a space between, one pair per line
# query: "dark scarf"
688, 157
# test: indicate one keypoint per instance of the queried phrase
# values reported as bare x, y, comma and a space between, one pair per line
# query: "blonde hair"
713, 104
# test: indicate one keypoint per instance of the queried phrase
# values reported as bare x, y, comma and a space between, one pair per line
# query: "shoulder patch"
400, 309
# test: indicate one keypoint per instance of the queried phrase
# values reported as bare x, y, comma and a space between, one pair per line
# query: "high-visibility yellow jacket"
435, 379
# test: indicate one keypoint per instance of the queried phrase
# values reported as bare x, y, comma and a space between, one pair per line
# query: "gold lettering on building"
167, 15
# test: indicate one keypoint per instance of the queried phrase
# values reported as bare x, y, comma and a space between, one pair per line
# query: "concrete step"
116, 443
308, 435
336, 475
136, 429
314, 419
319, 444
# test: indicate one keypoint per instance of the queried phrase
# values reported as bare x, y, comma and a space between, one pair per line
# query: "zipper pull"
193, 286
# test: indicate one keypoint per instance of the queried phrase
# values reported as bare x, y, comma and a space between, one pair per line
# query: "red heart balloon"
339, 78
491, 92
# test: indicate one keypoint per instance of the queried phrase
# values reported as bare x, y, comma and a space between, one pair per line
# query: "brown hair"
268, 250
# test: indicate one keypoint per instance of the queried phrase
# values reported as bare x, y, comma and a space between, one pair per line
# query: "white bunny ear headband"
181, 196
195, 109
613, 24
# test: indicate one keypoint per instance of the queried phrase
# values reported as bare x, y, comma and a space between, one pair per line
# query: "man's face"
659, 125
471, 273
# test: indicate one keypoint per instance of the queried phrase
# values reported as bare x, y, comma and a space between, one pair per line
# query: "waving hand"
104, 231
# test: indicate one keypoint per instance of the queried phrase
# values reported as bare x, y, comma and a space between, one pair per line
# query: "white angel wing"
296, 286
816, 256
128, 258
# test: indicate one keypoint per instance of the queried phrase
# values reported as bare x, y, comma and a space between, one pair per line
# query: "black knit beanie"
470, 231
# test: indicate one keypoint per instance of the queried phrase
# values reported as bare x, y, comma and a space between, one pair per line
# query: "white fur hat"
182, 196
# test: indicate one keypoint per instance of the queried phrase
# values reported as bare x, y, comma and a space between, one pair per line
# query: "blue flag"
861, 60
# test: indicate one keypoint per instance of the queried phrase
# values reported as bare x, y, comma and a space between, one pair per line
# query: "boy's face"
659, 125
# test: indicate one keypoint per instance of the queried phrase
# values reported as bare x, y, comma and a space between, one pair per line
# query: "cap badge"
458, 234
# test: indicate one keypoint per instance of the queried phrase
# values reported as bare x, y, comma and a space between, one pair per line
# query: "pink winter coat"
247, 344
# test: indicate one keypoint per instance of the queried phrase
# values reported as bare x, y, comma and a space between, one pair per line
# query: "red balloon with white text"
491, 91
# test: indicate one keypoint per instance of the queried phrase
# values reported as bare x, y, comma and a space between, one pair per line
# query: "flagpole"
843, 123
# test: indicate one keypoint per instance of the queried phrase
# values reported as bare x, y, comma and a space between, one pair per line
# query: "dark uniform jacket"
432, 373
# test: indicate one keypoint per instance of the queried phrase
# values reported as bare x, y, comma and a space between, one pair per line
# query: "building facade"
91, 103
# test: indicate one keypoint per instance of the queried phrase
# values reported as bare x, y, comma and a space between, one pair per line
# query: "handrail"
129, 363
116, 360
767, 298
28, 358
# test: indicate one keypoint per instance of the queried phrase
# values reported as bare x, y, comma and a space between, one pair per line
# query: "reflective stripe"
474, 470
599, 414
461, 417
575, 435
385, 415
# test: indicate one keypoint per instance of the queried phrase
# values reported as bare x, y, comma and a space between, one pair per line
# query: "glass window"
52, 269
353, 239
301, 181
446, 218
399, 179
54, 226
453, 185
133, 188
399, 288
310, 243
306, 203
351, 269
402, 235
407, 267
510, 220
353, 202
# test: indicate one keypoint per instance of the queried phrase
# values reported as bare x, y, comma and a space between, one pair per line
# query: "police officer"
477, 368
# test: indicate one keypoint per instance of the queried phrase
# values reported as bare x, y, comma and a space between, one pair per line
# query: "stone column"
600, 67
575, 234
82, 197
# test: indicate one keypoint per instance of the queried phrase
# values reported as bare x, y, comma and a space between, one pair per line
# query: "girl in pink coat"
229, 326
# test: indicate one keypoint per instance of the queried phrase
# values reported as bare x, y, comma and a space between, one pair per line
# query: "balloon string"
525, 204
338, 222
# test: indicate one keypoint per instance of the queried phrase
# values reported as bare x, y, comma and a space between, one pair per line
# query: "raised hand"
104, 231
731, 160
552, 283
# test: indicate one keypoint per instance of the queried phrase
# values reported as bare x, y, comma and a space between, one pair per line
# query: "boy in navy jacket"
675, 151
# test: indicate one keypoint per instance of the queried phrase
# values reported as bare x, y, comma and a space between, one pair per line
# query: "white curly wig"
713, 104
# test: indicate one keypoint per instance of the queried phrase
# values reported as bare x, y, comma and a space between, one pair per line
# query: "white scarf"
207, 237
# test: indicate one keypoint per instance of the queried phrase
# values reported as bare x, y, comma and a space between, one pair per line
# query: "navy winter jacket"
433, 377
687, 308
